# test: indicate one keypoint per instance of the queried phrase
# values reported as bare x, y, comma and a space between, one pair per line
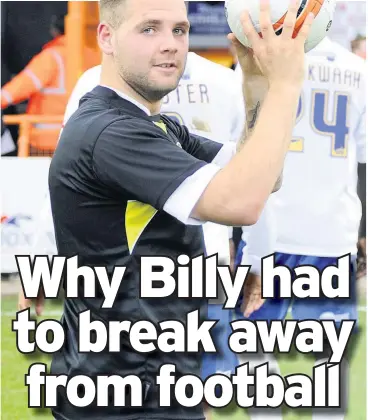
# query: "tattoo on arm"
254, 114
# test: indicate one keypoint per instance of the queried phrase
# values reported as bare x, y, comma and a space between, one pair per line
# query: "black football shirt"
111, 175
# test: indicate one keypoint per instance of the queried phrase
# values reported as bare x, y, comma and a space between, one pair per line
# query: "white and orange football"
322, 9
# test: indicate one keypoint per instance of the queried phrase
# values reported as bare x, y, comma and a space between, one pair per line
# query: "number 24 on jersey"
336, 129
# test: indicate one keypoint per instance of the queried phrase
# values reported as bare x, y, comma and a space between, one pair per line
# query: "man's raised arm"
237, 193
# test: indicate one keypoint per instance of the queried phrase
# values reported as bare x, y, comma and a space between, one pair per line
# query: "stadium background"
23, 173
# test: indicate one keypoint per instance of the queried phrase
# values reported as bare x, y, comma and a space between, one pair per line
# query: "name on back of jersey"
188, 93
326, 73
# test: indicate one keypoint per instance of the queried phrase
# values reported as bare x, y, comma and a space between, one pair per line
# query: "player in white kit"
317, 210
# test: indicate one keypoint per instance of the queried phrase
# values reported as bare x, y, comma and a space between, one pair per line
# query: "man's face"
150, 46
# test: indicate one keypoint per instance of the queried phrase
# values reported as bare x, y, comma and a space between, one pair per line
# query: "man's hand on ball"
247, 61
280, 58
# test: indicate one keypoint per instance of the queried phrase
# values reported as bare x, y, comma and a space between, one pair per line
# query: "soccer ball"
322, 9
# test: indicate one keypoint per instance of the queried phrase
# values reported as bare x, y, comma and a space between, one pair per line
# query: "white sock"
273, 366
334, 413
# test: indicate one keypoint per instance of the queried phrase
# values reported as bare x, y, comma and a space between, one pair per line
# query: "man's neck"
113, 80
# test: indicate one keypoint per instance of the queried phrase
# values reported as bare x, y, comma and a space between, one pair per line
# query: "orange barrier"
219, 56
25, 123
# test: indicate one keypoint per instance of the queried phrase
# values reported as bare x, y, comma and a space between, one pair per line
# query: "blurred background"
30, 123
28, 28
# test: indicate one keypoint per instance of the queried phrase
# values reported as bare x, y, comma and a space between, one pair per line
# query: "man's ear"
105, 38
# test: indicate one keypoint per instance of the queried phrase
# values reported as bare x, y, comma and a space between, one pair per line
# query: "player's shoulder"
102, 108
86, 83
105, 122
347, 57
90, 77
210, 70
337, 55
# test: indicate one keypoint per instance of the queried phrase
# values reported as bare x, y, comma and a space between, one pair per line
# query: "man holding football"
97, 175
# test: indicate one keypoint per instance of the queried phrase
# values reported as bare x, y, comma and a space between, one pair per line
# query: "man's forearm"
255, 88
269, 138
239, 191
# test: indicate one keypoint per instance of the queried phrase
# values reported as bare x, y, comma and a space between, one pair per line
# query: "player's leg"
336, 310
255, 360
333, 413
224, 361
272, 309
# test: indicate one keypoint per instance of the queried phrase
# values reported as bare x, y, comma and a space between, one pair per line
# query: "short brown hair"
110, 13
355, 43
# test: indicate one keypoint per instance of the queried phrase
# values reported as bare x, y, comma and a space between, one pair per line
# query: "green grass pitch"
15, 365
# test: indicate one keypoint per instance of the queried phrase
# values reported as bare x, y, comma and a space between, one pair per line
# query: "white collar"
128, 98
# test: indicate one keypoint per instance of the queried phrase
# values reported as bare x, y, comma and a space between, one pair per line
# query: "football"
323, 11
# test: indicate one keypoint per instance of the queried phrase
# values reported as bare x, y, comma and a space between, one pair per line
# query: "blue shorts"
303, 309
224, 361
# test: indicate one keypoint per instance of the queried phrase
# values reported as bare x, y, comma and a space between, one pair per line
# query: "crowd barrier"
26, 220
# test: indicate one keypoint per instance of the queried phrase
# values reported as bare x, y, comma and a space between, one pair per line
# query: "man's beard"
150, 91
